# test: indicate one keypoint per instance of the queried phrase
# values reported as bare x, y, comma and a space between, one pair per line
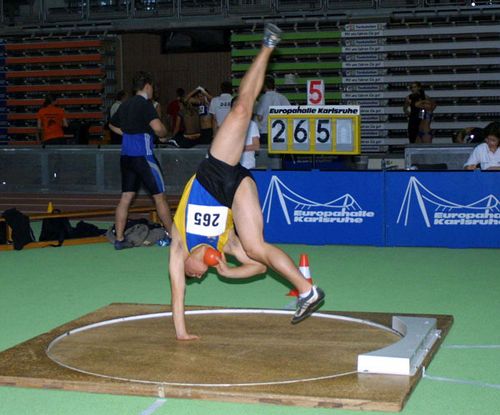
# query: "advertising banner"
448, 209
322, 207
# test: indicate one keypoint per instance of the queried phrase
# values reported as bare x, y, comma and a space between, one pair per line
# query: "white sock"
304, 295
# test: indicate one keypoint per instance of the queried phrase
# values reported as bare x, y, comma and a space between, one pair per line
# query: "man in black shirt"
137, 121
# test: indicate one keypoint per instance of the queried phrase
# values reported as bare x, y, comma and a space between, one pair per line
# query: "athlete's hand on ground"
188, 337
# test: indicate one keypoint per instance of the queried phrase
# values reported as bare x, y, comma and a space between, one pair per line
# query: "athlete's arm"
158, 127
115, 129
406, 106
178, 286
248, 267
255, 146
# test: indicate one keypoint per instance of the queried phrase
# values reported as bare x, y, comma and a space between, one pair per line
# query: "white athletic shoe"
272, 35
308, 305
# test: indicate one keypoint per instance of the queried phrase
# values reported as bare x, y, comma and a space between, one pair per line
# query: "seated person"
487, 154
201, 100
469, 135
191, 133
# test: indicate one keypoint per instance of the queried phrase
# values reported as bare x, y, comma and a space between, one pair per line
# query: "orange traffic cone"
304, 270
50, 208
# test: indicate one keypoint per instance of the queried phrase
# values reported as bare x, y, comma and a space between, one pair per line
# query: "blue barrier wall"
449, 209
407, 208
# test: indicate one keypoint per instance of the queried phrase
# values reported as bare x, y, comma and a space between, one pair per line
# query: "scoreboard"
328, 129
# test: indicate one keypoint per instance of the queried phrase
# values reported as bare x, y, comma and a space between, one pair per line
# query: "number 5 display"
315, 129
315, 92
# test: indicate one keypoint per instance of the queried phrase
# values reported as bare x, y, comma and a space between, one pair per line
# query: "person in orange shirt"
51, 120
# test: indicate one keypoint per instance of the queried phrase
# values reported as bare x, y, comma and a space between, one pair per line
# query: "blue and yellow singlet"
201, 219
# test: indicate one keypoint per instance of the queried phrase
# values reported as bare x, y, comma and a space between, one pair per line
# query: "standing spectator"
418, 107
220, 105
427, 107
252, 144
268, 99
412, 112
201, 100
487, 155
138, 122
173, 109
50, 122
119, 99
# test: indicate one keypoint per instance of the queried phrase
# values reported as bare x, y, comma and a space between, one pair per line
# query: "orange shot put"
211, 257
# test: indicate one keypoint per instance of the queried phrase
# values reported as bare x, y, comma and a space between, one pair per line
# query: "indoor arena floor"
41, 289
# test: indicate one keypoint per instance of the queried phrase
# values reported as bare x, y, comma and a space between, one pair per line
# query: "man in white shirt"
488, 153
252, 144
220, 105
268, 99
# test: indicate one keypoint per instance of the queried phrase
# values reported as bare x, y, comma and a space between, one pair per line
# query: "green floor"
41, 289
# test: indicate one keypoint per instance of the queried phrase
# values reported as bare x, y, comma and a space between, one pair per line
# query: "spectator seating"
455, 56
75, 70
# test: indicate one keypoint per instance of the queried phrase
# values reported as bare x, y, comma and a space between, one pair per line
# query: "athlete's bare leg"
248, 220
230, 138
121, 214
163, 211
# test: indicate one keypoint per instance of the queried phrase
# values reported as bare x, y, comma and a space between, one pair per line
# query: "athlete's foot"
123, 244
308, 305
272, 35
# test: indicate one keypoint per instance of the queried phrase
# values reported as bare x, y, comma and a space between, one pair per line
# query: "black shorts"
207, 134
221, 179
413, 127
141, 170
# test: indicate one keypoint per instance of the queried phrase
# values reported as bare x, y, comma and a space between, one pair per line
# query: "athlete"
220, 209
138, 121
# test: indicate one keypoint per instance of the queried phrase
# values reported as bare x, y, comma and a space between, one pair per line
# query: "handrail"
178, 9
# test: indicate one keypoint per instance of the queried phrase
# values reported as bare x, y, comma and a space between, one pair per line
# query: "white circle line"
202, 312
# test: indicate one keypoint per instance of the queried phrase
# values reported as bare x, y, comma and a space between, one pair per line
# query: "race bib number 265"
206, 220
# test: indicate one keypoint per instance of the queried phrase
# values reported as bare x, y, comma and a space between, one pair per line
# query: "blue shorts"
137, 170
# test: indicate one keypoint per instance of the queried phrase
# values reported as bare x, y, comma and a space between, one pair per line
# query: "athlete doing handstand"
219, 208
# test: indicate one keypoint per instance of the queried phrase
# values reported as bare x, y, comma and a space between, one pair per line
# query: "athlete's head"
49, 99
143, 81
194, 266
269, 83
226, 87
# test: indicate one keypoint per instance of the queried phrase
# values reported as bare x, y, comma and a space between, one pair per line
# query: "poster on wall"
455, 209
322, 208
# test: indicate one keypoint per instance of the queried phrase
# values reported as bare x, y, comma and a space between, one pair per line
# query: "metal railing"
52, 11
90, 169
